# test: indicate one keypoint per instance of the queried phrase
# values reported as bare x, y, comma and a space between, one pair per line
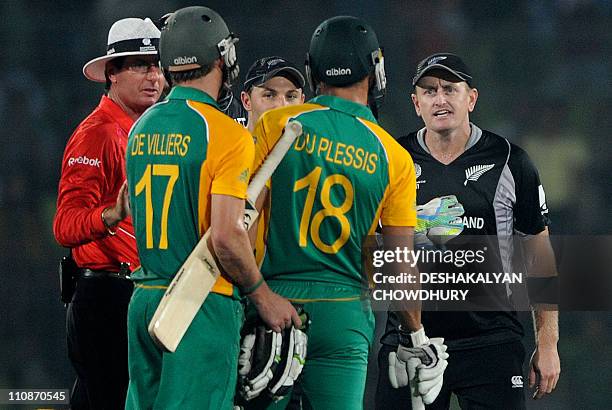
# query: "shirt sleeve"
530, 209
399, 208
264, 140
232, 155
89, 157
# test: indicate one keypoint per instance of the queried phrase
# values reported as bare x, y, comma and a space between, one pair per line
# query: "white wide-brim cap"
127, 37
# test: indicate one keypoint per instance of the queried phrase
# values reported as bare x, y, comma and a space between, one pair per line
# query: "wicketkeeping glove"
438, 221
420, 363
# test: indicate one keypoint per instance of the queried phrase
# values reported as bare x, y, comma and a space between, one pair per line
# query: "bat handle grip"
417, 403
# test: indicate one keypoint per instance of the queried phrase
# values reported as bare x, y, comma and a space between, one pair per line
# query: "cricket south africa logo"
475, 172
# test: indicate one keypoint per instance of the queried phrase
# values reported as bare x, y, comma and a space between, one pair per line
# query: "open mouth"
441, 113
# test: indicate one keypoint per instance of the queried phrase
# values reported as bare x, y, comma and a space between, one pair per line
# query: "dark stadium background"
542, 68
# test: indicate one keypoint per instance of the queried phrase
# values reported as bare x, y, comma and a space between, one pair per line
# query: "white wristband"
419, 338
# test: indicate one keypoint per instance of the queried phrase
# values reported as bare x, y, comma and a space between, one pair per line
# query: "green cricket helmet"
195, 36
343, 51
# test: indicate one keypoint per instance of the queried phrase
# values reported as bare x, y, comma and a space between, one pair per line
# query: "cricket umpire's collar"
127, 37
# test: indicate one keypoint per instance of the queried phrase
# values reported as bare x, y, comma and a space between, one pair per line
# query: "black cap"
443, 61
268, 67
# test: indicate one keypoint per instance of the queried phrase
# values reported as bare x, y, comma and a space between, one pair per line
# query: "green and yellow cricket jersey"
180, 152
341, 176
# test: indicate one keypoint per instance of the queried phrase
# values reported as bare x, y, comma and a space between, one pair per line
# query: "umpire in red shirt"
92, 213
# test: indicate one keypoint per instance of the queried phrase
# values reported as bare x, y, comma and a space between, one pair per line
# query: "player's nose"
283, 101
440, 98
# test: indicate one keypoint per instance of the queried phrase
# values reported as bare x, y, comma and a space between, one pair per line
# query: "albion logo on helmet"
185, 60
333, 72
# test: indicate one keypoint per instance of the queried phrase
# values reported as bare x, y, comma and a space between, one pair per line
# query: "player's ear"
111, 73
472, 99
219, 64
245, 98
302, 97
415, 102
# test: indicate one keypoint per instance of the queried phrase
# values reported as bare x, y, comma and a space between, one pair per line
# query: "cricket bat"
196, 277
417, 403
416, 399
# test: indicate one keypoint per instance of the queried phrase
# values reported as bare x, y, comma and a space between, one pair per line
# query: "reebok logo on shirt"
94, 162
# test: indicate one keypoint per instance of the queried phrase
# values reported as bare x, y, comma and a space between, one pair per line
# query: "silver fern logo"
434, 60
475, 172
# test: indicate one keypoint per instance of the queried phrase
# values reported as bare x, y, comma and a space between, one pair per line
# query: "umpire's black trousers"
96, 326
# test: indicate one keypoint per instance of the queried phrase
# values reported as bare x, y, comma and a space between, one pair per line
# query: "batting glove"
293, 357
419, 362
259, 354
271, 361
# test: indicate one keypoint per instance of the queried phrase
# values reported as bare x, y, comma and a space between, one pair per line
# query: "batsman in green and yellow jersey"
188, 166
341, 177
